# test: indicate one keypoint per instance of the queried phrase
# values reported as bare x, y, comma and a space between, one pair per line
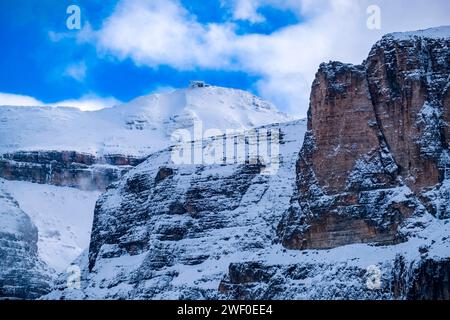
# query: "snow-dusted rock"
44, 150
23, 275
416, 270
203, 232
170, 231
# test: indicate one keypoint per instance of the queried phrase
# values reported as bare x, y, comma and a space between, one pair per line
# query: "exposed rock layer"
66, 168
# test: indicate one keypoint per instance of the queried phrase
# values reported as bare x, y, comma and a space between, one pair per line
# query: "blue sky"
129, 48
34, 65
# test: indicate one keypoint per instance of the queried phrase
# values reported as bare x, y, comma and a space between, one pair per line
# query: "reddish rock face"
407, 80
342, 123
332, 230
377, 142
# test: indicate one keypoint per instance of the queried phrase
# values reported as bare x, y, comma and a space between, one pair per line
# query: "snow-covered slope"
431, 33
62, 215
137, 128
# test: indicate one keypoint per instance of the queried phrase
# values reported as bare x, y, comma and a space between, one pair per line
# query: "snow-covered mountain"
359, 209
47, 154
89, 150
138, 128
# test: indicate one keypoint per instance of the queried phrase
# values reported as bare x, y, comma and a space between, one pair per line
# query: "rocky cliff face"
170, 231
408, 79
66, 168
377, 150
22, 274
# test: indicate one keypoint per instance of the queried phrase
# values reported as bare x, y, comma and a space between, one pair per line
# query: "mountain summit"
137, 128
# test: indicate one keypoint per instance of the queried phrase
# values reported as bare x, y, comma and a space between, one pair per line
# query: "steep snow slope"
431, 33
63, 217
138, 128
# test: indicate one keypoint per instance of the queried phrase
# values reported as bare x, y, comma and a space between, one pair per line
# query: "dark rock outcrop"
427, 280
66, 168
399, 279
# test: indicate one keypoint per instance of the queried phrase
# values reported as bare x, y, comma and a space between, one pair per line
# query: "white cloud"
8, 99
88, 102
162, 32
76, 71
247, 10
57, 36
